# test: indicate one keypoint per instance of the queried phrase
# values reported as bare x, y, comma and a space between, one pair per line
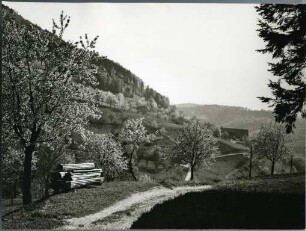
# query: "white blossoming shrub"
106, 153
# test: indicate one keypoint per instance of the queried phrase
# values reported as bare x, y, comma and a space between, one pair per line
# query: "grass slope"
51, 212
227, 147
261, 203
223, 167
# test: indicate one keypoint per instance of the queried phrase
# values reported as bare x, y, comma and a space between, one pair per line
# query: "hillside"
119, 82
121, 95
87, 144
239, 117
223, 115
111, 76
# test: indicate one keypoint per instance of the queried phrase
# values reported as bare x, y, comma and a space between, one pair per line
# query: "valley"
153, 163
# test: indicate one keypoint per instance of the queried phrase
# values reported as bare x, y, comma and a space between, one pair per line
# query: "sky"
192, 53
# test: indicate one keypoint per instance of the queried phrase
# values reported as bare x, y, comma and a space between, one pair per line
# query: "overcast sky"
193, 53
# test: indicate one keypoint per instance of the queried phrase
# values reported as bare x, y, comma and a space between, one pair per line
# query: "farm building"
234, 133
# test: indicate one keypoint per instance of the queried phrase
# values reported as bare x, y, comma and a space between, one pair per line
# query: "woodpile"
72, 176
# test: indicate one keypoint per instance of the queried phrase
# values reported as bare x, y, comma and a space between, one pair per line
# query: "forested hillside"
111, 76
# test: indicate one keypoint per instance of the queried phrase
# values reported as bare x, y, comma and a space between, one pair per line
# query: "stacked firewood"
71, 176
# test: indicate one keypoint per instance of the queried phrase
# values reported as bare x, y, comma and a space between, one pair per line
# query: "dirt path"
122, 214
231, 154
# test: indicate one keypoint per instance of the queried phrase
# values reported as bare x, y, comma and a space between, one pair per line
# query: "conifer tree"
283, 28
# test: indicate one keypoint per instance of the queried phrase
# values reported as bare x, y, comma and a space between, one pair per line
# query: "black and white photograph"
153, 115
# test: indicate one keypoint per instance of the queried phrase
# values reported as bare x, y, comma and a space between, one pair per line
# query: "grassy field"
51, 212
261, 203
223, 167
227, 147
282, 184
216, 172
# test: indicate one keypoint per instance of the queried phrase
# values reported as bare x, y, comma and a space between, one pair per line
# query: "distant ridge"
183, 105
223, 115
186, 105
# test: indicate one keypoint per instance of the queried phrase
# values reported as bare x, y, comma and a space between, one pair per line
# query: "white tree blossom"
132, 135
43, 94
194, 145
272, 142
111, 99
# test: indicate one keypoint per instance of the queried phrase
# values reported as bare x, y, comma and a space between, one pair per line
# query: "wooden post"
251, 160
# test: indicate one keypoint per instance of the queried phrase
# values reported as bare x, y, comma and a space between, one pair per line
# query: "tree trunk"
13, 192
12, 196
291, 164
46, 188
27, 168
191, 171
272, 168
251, 162
131, 165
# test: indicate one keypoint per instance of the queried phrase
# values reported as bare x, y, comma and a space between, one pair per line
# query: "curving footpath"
122, 214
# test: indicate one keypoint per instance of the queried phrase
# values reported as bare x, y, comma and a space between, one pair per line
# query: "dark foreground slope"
262, 203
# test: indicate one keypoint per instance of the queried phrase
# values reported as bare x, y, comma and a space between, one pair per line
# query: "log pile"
72, 176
